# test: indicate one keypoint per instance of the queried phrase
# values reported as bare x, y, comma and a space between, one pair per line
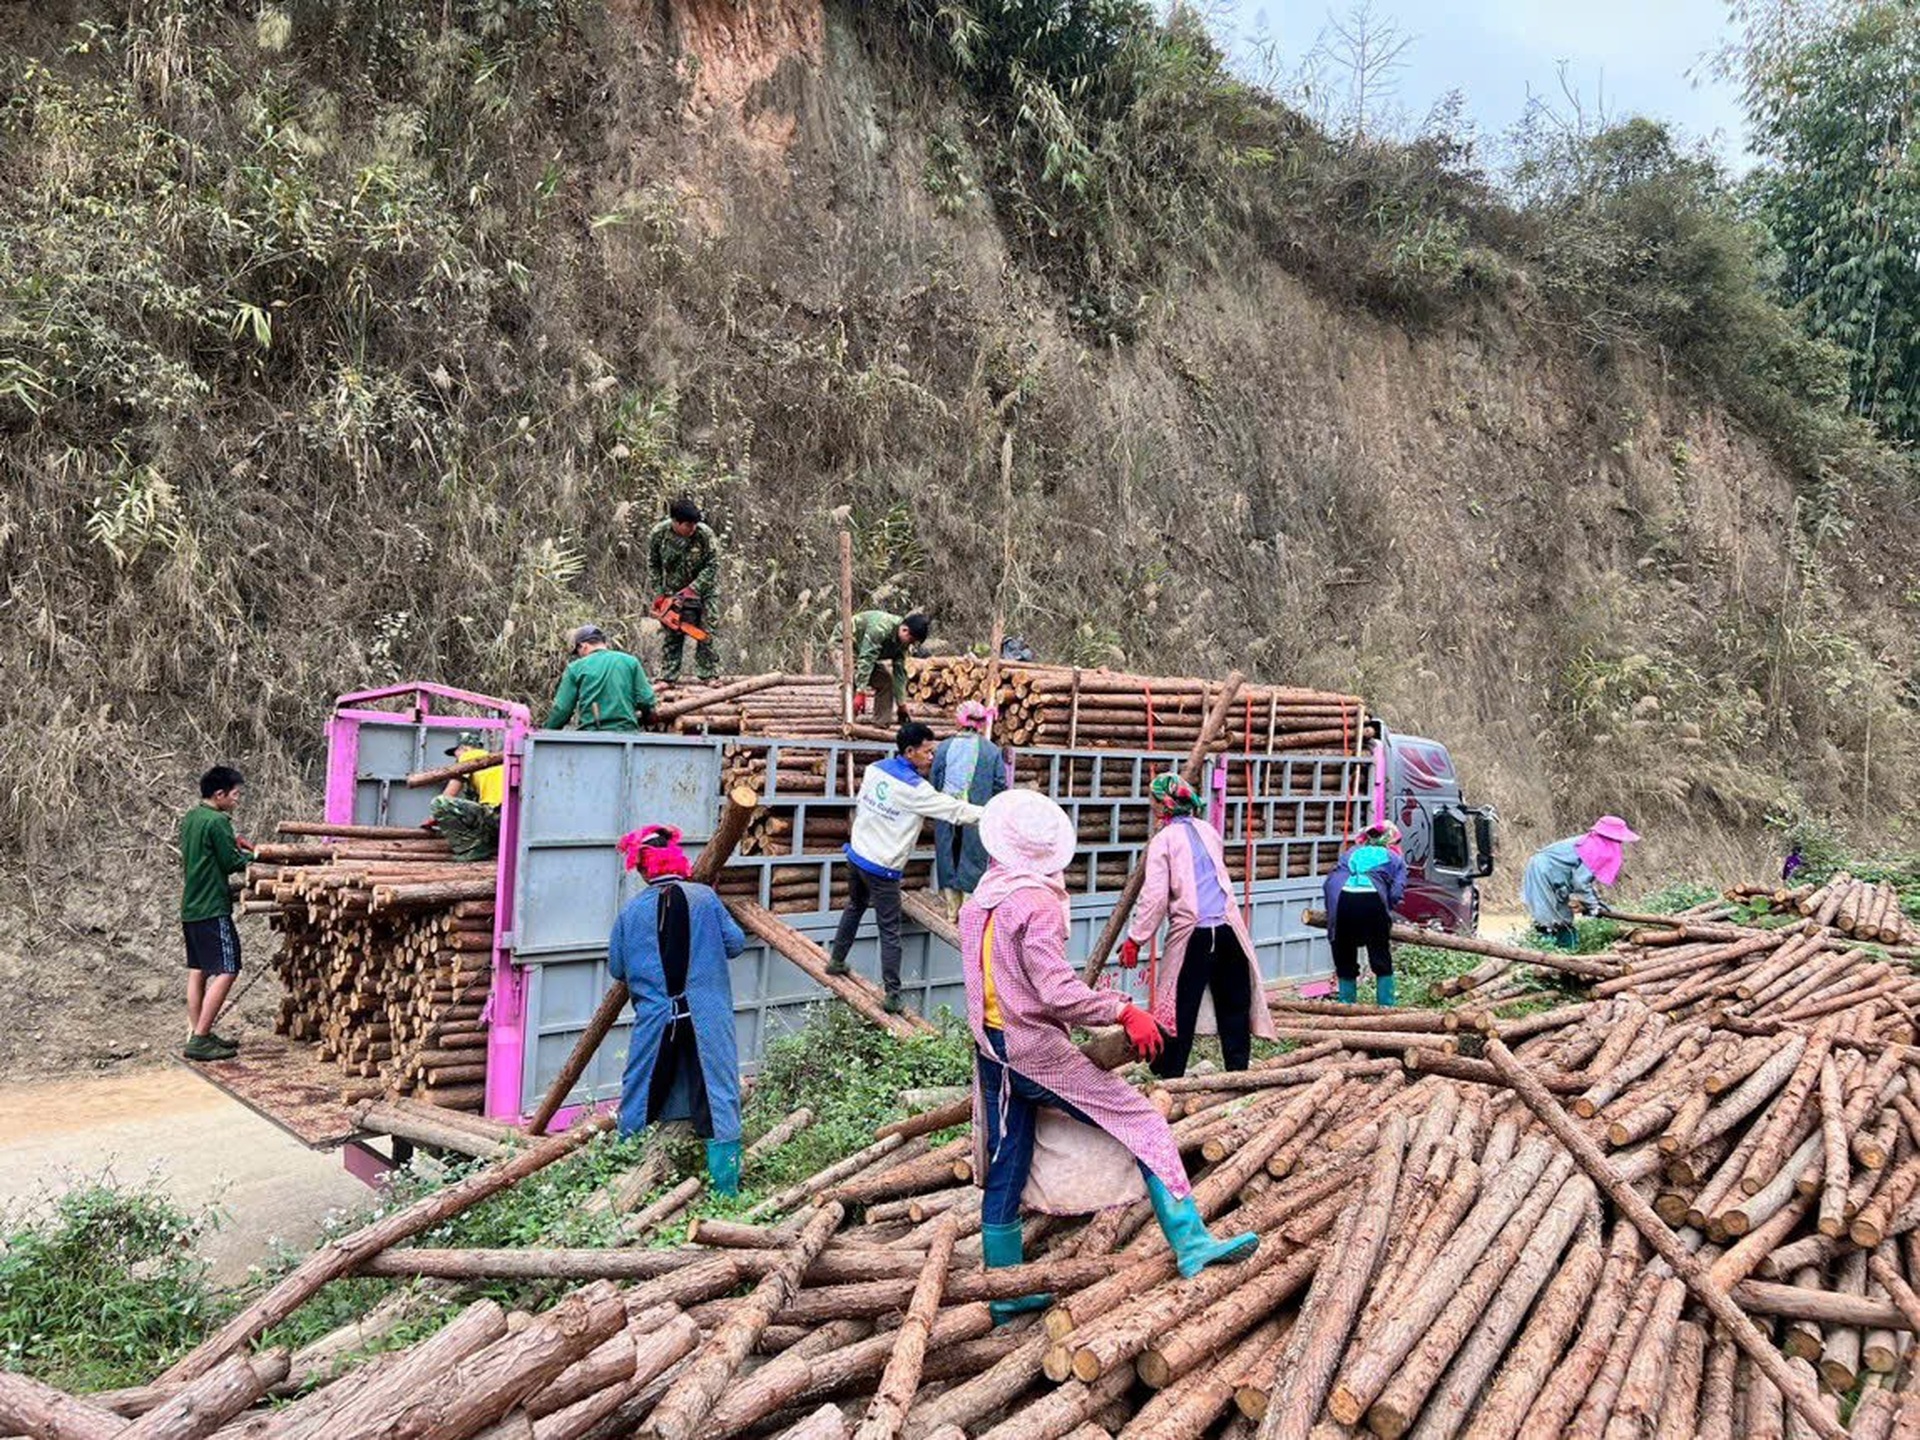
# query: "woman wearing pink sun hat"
1577, 865
1023, 997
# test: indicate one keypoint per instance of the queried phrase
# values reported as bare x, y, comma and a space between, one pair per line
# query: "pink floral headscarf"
654, 850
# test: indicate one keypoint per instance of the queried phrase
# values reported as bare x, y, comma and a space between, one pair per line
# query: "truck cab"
1447, 843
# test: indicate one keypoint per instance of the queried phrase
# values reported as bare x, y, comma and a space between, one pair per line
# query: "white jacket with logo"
894, 799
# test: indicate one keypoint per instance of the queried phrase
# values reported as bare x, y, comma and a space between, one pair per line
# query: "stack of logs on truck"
1682, 1200
387, 946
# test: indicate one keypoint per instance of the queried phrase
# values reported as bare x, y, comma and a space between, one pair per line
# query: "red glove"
243, 842
1143, 1032
1129, 954
859, 702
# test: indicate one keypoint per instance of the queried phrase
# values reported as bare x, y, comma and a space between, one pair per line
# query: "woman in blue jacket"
1361, 894
672, 944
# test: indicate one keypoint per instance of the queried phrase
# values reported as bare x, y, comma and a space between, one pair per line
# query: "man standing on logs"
209, 853
1208, 947
671, 945
894, 798
466, 814
881, 638
683, 570
603, 688
1570, 867
970, 767
1361, 894
1023, 998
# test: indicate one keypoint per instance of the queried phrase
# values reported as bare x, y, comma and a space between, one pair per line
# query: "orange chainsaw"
683, 614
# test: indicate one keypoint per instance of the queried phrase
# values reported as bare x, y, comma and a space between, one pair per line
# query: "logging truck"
560, 881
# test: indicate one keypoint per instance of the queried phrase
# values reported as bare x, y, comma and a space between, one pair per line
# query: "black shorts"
213, 946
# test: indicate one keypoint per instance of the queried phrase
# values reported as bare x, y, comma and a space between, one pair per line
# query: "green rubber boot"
1193, 1245
723, 1166
1383, 989
1349, 991
1000, 1246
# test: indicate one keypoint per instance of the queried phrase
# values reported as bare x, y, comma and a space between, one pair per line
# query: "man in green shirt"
603, 689
209, 853
683, 559
880, 638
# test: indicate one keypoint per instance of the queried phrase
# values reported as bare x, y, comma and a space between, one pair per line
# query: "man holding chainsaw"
683, 568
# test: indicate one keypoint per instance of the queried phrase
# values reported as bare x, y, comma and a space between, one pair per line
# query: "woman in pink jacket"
1023, 997
1208, 948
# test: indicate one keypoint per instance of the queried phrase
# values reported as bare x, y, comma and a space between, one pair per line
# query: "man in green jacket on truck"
603, 688
880, 638
683, 565
209, 853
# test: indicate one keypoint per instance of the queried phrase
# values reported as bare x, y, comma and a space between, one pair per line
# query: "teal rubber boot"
723, 1166
1001, 1246
1383, 989
1193, 1245
1349, 991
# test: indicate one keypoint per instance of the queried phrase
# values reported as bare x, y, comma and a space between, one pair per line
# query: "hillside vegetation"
351, 340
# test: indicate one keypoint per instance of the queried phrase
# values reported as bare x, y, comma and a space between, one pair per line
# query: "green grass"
105, 1288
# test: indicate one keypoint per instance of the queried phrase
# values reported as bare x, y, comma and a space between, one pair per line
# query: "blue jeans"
1010, 1154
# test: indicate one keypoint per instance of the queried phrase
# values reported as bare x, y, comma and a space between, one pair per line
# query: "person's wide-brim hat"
1026, 831
1612, 827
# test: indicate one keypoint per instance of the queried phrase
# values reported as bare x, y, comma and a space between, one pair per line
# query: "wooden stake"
891, 1400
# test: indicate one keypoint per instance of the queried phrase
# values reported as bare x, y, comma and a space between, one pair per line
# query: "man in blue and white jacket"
895, 798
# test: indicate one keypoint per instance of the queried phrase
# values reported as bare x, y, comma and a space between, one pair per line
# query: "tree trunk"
1186, 1409
901, 1379
202, 1406
1531, 1360
30, 1408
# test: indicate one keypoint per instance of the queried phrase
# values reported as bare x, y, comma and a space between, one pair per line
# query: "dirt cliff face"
760, 260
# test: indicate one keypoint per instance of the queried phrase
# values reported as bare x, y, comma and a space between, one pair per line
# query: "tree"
1830, 93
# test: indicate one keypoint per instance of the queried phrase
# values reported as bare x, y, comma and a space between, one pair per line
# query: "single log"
443, 773
29, 1408
202, 1406
1836, 1173
695, 1392
1057, 1413
1680, 1401
1767, 1360
817, 1183
888, 1410
1717, 1389
742, 802
1636, 1406
808, 957
1320, 1338
1116, 925
1899, 1294
941, 1117
346, 1254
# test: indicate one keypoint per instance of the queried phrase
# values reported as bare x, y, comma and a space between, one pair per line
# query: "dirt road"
204, 1148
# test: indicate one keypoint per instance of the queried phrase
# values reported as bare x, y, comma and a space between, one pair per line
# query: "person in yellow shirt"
467, 811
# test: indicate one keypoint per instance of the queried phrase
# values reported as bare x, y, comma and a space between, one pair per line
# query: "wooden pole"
742, 801
445, 773
202, 1406
29, 1408
1804, 1398
846, 621
345, 1255
888, 1412
1116, 924
756, 919
667, 714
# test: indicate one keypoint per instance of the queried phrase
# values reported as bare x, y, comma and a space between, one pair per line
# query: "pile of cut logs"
1061, 707
1686, 1203
385, 955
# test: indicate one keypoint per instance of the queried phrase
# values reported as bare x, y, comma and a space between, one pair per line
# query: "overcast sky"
1643, 55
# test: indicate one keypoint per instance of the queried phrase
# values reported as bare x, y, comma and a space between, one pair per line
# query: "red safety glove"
859, 702
1143, 1032
243, 842
1129, 954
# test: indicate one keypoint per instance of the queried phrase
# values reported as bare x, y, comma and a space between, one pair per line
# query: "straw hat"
1612, 827
1026, 832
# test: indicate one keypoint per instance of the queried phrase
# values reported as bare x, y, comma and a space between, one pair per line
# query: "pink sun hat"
1026, 832
1612, 827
